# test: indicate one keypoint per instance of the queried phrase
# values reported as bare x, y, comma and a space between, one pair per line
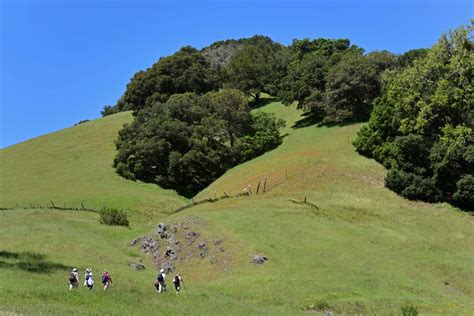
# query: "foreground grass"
354, 248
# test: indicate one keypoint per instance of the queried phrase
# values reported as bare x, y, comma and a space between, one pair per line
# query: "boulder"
136, 266
259, 259
149, 245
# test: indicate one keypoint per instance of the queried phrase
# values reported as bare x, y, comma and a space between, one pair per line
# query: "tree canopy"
422, 124
184, 71
190, 140
257, 67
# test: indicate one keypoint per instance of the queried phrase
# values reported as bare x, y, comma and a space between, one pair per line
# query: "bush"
108, 110
464, 195
113, 217
409, 310
423, 189
412, 186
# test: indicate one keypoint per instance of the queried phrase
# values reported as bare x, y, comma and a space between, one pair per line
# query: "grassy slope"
363, 249
75, 165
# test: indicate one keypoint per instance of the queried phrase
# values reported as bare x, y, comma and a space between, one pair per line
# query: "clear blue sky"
62, 61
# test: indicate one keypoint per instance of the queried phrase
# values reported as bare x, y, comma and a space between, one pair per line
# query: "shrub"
397, 180
108, 110
113, 217
464, 195
412, 186
409, 310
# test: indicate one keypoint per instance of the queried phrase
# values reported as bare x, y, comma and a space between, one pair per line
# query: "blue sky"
62, 61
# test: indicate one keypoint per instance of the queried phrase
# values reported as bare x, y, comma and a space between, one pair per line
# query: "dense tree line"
422, 124
192, 118
190, 140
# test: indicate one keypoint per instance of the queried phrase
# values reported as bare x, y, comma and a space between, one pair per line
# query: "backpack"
176, 280
104, 278
72, 277
90, 281
160, 278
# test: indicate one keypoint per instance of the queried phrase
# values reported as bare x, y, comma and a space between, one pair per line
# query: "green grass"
358, 248
75, 165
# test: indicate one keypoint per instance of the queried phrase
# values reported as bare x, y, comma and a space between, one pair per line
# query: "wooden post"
258, 187
305, 199
82, 204
52, 204
286, 174
264, 185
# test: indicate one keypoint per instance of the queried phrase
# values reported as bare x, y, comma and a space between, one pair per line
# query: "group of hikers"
88, 279
160, 283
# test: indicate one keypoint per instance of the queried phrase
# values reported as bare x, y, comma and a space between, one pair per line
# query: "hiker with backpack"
88, 279
177, 282
160, 282
73, 279
106, 279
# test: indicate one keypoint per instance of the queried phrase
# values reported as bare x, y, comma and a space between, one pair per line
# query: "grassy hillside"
354, 247
75, 165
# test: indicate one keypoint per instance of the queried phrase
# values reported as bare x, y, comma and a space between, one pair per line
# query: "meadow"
336, 239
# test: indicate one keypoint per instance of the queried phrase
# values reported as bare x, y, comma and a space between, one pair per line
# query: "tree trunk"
257, 97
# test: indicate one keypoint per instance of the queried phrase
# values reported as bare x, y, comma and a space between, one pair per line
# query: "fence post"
264, 185
258, 187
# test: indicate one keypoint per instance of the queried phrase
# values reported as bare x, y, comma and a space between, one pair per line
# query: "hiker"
160, 282
73, 279
106, 279
177, 282
88, 279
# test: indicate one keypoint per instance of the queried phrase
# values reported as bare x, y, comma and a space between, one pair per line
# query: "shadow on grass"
28, 261
262, 102
311, 119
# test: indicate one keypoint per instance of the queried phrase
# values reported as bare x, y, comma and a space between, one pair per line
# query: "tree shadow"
255, 104
28, 261
311, 119
308, 119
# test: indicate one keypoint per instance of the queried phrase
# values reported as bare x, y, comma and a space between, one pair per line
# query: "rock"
202, 245
169, 252
213, 259
136, 266
258, 259
191, 237
134, 242
149, 245
168, 267
218, 242
162, 231
222, 249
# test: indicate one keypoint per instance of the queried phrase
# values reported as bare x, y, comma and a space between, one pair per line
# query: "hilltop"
74, 165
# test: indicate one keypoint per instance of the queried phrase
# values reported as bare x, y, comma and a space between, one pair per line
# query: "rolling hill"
336, 240
74, 165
